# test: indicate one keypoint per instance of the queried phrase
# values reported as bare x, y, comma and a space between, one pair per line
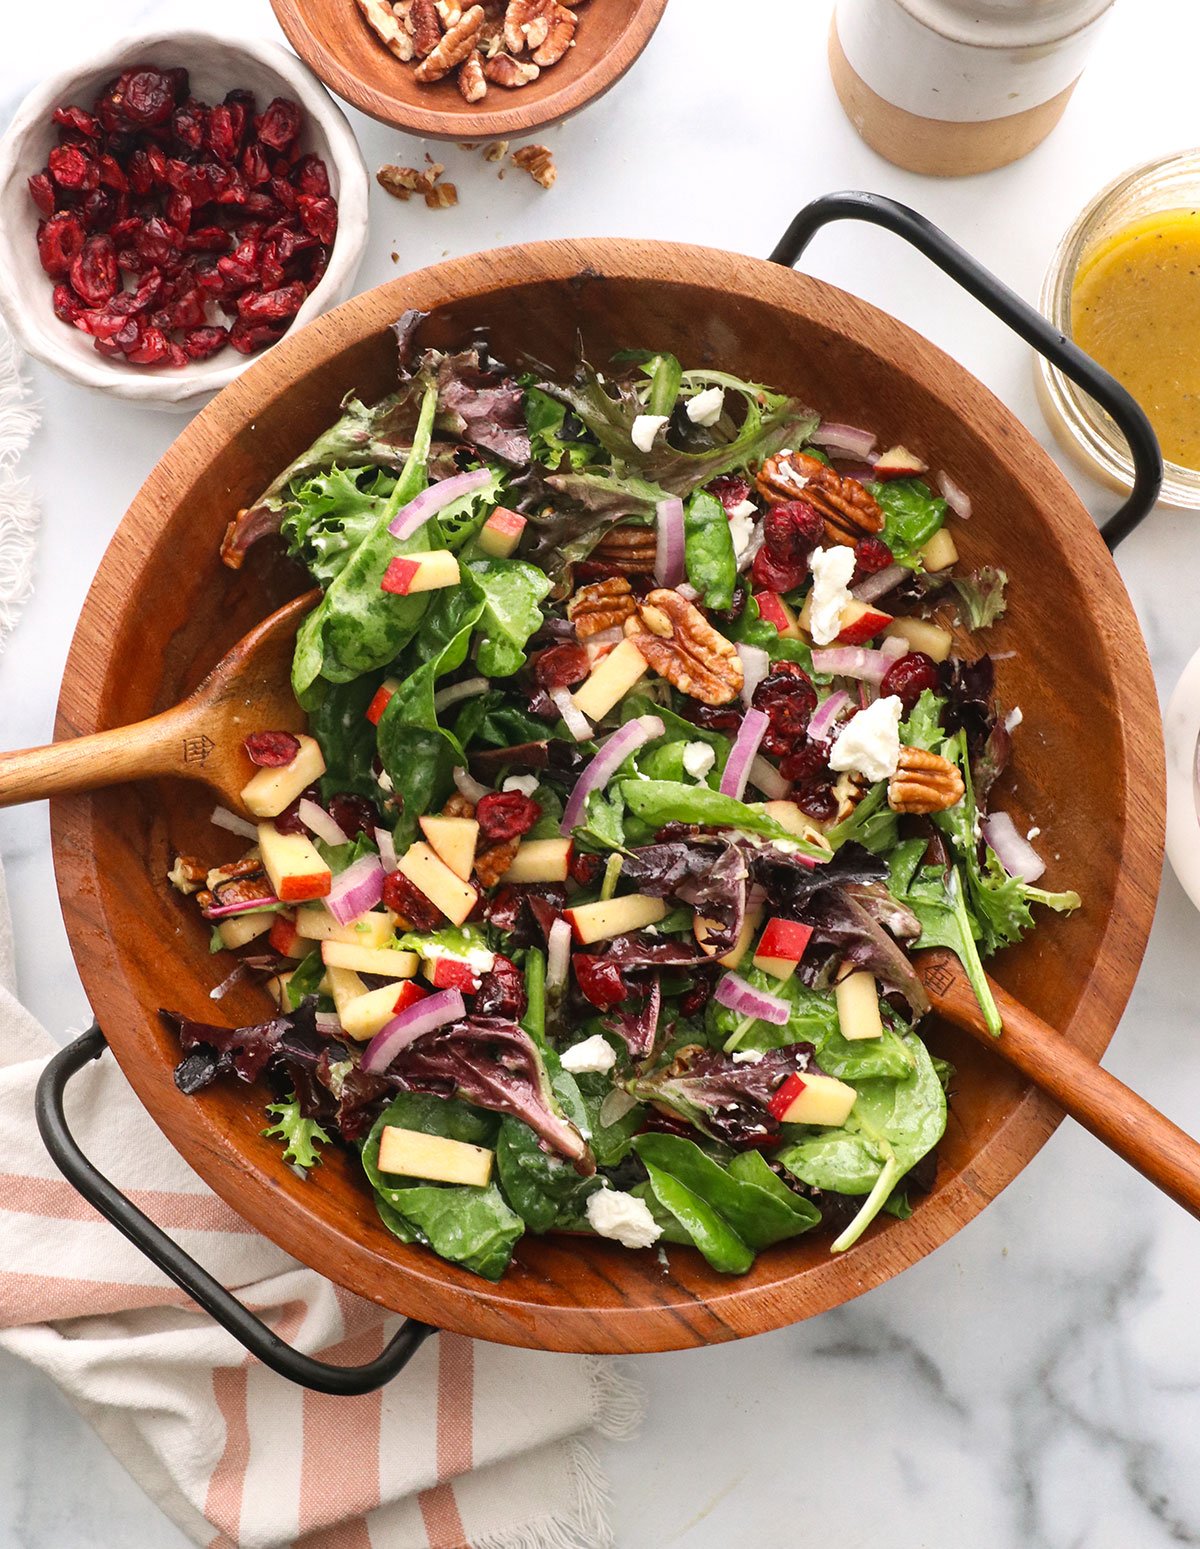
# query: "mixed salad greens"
648, 739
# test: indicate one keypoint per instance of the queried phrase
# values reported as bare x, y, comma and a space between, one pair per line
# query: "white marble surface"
1036, 1383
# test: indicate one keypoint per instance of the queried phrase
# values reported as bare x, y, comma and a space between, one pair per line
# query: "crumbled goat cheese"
594, 1053
870, 743
1013, 719
831, 571
748, 1057
645, 428
705, 408
1033, 832
478, 959
384, 781
526, 784
742, 531
744, 508
698, 759
622, 1217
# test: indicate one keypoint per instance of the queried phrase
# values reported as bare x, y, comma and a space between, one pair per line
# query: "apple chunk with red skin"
899, 463
501, 533
859, 622
379, 701
291, 861
432, 877
268, 792
369, 1013
813, 1098
420, 573
451, 973
781, 946
773, 610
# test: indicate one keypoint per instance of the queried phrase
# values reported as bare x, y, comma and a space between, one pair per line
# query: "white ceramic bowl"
215, 66
1181, 730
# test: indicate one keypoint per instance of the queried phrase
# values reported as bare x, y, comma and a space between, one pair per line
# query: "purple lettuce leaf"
728, 1101
789, 881
211, 1051
710, 877
484, 408
639, 1027
851, 919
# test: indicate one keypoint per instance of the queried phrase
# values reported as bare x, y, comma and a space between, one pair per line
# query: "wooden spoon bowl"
1088, 761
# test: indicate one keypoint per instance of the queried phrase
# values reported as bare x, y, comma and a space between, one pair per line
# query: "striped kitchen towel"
473, 1444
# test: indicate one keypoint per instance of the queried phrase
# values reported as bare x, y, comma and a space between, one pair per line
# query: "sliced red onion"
469, 787
387, 848
228, 982
768, 779
610, 755
615, 1106
558, 955
327, 1023
956, 497
756, 664
434, 499
668, 556
577, 723
893, 647
470, 688
844, 438
863, 472
688, 592
872, 587
1015, 854
852, 661
612, 636
223, 818
357, 889
424, 1016
742, 754
824, 718
223, 911
318, 822
734, 992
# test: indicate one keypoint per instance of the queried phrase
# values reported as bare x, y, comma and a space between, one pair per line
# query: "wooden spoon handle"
153, 747
1115, 1114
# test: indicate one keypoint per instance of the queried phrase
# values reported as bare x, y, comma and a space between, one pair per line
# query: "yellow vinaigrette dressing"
1135, 308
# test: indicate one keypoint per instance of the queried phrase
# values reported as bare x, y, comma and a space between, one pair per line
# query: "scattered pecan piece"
496, 151
683, 647
538, 162
849, 789
924, 782
249, 866
627, 550
404, 182
187, 874
442, 196
849, 510
453, 47
510, 72
472, 83
388, 27
426, 27
601, 605
458, 807
526, 24
492, 863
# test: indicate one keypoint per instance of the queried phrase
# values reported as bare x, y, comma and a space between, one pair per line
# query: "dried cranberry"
726, 719
73, 169
158, 242
207, 239
178, 211
97, 210
279, 125
310, 176
504, 815
693, 1001
730, 490
256, 169
147, 95
501, 991
129, 302
871, 555
805, 762
109, 108
908, 677
152, 348
561, 666
77, 121
41, 191
246, 337
775, 575
60, 241
240, 267
791, 531
188, 123
201, 343
586, 869
271, 306
319, 263
241, 108
816, 799
353, 814
402, 898
288, 821
789, 699
271, 749
104, 323
599, 979
232, 189
318, 215
67, 305
94, 274
187, 310
112, 174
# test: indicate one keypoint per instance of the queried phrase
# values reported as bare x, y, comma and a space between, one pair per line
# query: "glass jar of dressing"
1124, 284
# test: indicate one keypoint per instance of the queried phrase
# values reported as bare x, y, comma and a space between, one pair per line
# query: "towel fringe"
19, 515
587, 1527
618, 1399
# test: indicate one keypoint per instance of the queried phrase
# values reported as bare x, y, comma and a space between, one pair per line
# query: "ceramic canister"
955, 86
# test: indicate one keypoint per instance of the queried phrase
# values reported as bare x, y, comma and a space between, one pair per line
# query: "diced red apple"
387, 961
450, 973
268, 792
429, 572
287, 940
702, 929
345, 987
921, 635
367, 1014
859, 622
453, 840
431, 876
813, 1099
379, 701
291, 861
788, 815
781, 947
240, 929
501, 533
540, 860
899, 463
614, 916
373, 929
858, 1006
410, 1153
610, 680
774, 610
940, 552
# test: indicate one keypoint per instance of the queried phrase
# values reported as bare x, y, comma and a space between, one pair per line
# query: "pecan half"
538, 162
559, 38
849, 510
527, 24
849, 789
457, 806
388, 27
187, 874
924, 782
601, 605
425, 25
472, 83
510, 72
492, 863
453, 47
627, 550
683, 647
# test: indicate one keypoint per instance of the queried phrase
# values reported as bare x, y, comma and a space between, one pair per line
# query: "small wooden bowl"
336, 43
161, 611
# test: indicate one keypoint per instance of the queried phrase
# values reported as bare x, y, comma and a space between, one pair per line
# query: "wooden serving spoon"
199, 739
1106, 1107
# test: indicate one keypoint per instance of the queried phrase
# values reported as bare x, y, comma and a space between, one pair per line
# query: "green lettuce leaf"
708, 550
300, 1136
912, 513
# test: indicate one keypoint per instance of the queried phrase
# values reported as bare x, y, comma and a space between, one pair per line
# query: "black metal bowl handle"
1011, 309
252, 1332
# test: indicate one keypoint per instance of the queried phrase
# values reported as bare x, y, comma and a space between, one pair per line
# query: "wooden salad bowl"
336, 43
1088, 762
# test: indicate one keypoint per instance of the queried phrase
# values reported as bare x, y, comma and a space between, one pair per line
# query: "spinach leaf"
337, 718
664, 801
546, 1192
912, 513
759, 1216
610, 1143
510, 593
472, 1227
752, 1167
445, 1116
750, 628
708, 550
305, 980
708, 1230
498, 720
678, 730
